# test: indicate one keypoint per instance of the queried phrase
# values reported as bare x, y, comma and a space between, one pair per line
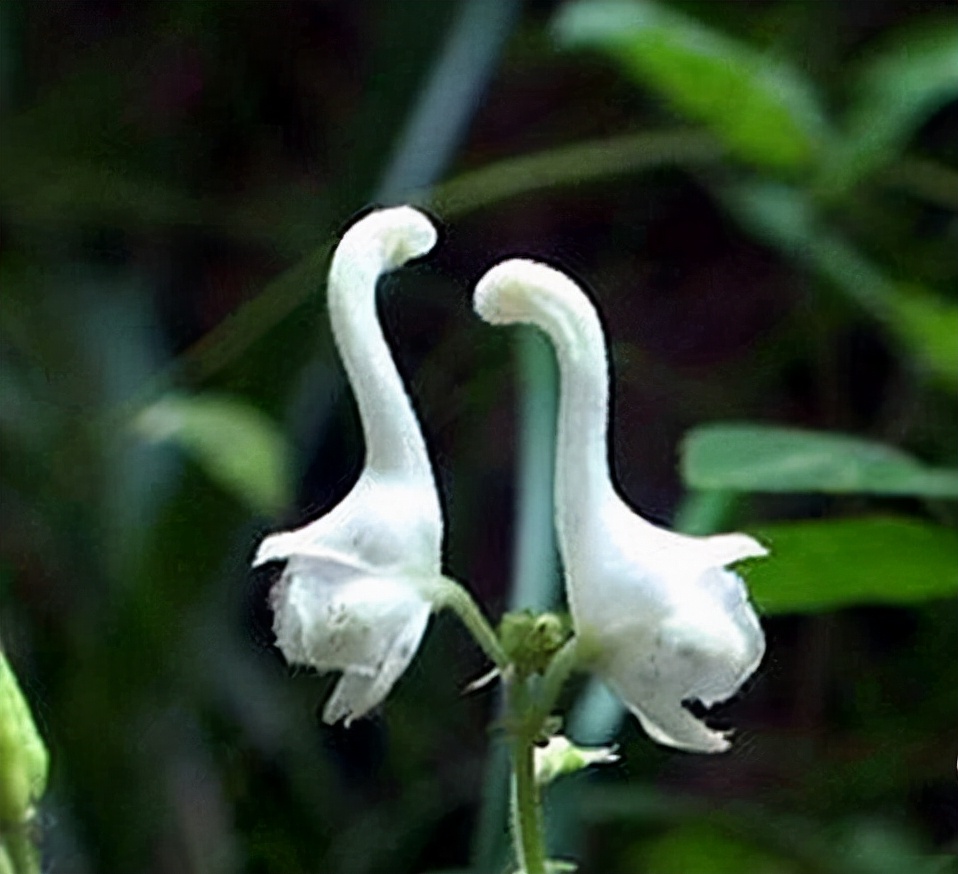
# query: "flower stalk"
527, 828
453, 596
527, 815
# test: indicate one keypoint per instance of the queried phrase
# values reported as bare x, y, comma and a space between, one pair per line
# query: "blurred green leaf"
706, 849
885, 847
235, 443
825, 565
897, 89
924, 324
759, 458
928, 324
759, 838
763, 110
36, 188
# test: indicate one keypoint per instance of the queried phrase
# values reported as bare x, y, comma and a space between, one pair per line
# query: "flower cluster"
655, 613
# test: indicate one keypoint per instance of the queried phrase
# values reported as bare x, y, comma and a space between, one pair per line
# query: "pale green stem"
562, 666
605, 158
452, 595
527, 717
535, 573
527, 829
527, 816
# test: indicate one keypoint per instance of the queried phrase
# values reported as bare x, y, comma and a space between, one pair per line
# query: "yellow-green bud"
559, 756
23, 756
532, 640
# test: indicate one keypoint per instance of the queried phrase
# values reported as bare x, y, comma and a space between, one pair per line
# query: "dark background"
165, 163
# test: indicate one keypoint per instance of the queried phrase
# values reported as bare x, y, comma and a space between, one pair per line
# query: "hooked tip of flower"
399, 234
500, 294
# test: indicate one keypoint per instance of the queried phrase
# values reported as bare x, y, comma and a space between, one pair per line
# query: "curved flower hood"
667, 623
355, 595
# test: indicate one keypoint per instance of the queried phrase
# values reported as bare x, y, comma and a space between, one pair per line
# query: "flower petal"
725, 549
671, 724
358, 693
336, 616
704, 651
384, 522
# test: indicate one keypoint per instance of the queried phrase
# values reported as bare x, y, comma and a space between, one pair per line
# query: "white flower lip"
354, 594
666, 621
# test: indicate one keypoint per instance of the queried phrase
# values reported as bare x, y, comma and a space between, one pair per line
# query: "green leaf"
897, 89
927, 324
706, 849
235, 443
758, 458
923, 324
762, 110
825, 565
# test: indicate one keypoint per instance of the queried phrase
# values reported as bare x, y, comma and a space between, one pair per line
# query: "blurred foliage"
756, 458
764, 197
864, 560
762, 110
234, 442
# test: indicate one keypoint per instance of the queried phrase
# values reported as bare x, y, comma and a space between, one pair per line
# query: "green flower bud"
531, 640
23, 757
560, 756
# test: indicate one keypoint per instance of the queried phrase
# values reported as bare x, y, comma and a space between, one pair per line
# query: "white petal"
353, 596
704, 651
381, 523
350, 699
721, 550
333, 616
358, 693
671, 724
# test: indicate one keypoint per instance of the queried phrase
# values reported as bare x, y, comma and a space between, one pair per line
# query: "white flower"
360, 582
666, 623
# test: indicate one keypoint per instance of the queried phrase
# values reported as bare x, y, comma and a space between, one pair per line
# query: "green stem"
526, 813
452, 595
563, 664
528, 715
593, 160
